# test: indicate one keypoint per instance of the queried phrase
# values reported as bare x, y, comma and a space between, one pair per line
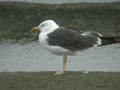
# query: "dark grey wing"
71, 39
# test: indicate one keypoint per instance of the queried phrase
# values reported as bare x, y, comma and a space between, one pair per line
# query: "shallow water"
30, 56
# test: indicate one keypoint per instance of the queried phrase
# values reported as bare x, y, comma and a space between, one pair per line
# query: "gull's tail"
99, 36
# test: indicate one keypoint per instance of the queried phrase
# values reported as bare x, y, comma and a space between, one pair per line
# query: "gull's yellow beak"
35, 29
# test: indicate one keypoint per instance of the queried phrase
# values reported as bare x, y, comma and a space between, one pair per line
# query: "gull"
64, 41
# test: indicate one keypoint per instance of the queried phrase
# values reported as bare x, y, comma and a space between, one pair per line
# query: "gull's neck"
53, 28
50, 28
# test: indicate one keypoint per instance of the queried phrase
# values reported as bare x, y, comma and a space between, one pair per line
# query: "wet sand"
31, 57
62, 1
68, 81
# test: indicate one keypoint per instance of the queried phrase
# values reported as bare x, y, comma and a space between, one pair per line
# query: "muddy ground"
68, 81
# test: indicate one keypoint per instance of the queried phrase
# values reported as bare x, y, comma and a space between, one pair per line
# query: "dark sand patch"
18, 18
68, 81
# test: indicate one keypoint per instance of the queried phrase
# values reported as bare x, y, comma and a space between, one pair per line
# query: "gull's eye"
43, 25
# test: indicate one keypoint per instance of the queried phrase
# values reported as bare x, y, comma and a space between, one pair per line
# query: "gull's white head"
46, 26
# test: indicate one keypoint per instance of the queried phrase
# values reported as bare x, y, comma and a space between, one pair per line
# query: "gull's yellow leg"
64, 66
64, 63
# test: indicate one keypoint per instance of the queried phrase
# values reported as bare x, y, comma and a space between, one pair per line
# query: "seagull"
63, 41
